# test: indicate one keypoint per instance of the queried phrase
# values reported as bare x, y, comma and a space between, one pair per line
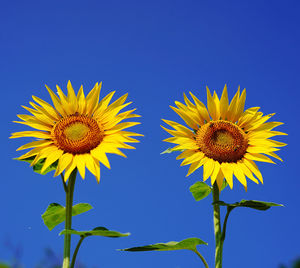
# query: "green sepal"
39, 165
200, 189
171, 150
189, 243
98, 231
56, 213
255, 204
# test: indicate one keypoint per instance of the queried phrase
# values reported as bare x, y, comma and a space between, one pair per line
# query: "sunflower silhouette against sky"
78, 131
223, 138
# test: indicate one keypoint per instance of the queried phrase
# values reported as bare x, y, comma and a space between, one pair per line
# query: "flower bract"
223, 137
77, 131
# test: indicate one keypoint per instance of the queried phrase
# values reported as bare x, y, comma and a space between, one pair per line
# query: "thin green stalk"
64, 183
202, 258
68, 222
229, 209
217, 228
76, 251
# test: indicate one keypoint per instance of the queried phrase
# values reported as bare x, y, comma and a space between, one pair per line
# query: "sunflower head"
77, 131
223, 137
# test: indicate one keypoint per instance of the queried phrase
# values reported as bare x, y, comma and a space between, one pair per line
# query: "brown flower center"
77, 134
222, 141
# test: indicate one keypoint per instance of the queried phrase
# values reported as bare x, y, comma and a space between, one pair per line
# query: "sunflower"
77, 132
223, 138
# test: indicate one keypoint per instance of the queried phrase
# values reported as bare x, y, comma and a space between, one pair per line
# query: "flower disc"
222, 141
77, 134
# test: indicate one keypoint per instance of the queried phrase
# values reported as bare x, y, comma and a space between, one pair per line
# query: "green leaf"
99, 231
189, 243
39, 165
56, 213
171, 150
200, 190
3, 265
255, 204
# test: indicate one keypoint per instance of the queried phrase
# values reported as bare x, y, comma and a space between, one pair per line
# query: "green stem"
217, 228
202, 258
68, 222
76, 251
64, 183
229, 209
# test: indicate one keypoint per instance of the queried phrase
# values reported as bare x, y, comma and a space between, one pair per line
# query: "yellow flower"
223, 138
78, 131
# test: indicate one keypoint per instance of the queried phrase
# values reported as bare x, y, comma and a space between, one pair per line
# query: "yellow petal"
208, 168
274, 155
260, 149
47, 107
217, 104
63, 162
68, 108
180, 128
121, 126
44, 153
185, 154
239, 174
101, 156
196, 157
195, 166
81, 101
69, 169
224, 103
56, 102
246, 171
201, 108
39, 126
186, 118
103, 104
33, 134
80, 163
33, 144
32, 152
258, 157
211, 105
252, 166
72, 99
228, 173
92, 99
233, 106
240, 106
112, 149
220, 179
215, 172
51, 158
268, 126
191, 113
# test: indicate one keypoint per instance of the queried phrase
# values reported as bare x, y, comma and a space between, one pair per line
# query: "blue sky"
155, 51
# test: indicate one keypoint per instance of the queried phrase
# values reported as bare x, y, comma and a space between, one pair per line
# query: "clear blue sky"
155, 51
